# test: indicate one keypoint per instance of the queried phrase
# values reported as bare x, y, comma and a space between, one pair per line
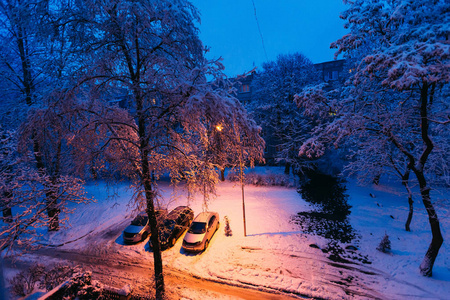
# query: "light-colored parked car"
139, 229
201, 231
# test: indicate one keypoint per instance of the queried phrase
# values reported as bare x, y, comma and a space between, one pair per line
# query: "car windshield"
140, 220
169, 224
197, 228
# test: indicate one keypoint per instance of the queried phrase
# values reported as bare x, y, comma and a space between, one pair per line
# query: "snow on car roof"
202, 217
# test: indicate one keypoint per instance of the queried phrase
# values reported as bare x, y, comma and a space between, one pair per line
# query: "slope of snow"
275, 254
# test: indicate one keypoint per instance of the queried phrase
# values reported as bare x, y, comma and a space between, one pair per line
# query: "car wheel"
206, 245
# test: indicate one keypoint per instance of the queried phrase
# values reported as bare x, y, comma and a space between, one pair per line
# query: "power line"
259, 29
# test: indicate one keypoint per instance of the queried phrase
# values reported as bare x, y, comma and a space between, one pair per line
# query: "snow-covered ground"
276, 254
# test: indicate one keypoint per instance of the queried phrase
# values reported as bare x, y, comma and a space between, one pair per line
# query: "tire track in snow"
129, 272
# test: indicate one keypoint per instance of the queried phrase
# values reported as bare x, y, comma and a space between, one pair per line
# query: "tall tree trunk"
50, 195
51, 201
426, 267
154, 238
405, 179
53, 215
287, 168
28, 88
410, 213
147, 176
3, 289
222, 174
7, 215
26, 69
52, 208
7, 212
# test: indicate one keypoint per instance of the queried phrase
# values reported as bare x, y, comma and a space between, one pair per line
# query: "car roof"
203, 217
177, 211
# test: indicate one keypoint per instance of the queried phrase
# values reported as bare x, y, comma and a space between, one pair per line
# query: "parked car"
201, 231
139, 229
174, 225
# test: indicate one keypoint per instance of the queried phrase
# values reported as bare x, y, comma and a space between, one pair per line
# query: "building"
243, 86
330, 71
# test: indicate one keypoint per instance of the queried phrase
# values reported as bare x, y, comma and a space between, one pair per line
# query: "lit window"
245, 88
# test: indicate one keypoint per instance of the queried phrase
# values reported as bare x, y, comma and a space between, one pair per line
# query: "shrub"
227, 228
81, 286
24, 283
56, 275
385, 244
262, 179
37, 275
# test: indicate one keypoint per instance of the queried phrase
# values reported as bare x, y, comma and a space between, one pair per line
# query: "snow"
275, 254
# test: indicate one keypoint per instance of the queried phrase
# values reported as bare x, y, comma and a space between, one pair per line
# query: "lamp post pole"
241, 170
242, 186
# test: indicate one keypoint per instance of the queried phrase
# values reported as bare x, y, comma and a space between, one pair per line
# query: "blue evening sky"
229, 28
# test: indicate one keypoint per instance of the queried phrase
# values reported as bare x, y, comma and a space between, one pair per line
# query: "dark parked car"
139, 229
201, 231
174, 225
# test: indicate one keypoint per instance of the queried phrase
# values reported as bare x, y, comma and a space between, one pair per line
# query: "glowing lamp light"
219, 127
